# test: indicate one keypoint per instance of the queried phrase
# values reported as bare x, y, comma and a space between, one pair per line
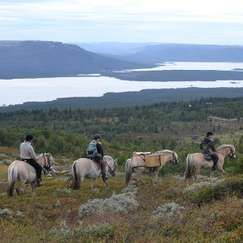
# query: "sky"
167, 21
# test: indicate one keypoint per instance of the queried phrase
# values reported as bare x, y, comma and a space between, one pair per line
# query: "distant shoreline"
128, 99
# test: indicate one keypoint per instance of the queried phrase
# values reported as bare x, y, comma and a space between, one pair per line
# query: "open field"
171, 210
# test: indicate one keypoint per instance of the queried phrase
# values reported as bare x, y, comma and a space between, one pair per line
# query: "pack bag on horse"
207, 147
153, 161
29, 167
95, 152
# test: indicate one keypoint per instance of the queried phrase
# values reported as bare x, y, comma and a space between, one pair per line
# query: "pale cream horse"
195, 162
22, 171
86, 168
136, 162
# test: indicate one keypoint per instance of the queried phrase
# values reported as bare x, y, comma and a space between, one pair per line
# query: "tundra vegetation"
172, 210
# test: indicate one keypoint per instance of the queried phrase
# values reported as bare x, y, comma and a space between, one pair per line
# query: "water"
221, 66
17, 91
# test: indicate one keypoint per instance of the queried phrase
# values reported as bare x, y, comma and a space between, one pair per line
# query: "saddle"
207, 157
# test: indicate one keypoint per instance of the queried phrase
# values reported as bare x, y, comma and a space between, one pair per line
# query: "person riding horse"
28, 155
207, 147
95, 152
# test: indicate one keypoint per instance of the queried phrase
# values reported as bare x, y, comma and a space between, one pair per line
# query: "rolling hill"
30, 59
129, 99
186, 52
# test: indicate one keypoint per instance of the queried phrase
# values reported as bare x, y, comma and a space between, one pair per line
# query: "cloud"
102, 16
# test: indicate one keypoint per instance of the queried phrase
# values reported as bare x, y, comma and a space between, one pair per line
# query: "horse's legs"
11, 188
156, 175
210, 172
33, 187
76, 182
93, 185
221, 169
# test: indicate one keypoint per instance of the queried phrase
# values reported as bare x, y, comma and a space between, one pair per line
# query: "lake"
17, 91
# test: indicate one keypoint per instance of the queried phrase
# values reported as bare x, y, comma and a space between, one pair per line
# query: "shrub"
217, 191
117, 203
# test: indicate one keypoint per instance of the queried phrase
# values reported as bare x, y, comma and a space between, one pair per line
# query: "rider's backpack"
92, 148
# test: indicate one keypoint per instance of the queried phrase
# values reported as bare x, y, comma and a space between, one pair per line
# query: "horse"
22, 171
166, 156
84, 167
196, 161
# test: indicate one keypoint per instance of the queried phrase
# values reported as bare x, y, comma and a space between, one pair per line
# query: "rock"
19, 214
5, 212
57, 204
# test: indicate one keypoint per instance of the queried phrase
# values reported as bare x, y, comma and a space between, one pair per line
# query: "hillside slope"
144, 97
187, 52
26, 59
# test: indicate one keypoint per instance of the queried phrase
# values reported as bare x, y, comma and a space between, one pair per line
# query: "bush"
117, 203
218, 191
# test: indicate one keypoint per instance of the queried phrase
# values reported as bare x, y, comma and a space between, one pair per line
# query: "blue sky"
177, 21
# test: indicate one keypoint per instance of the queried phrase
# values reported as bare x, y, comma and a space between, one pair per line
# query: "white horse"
84, 167
22, 171
195, 162
136, 162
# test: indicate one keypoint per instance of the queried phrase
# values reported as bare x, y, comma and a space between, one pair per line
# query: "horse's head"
228, 150
48, 162
232, 153
175, 159
170, 156
111, 164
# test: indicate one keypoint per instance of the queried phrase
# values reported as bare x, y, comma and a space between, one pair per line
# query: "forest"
178, 126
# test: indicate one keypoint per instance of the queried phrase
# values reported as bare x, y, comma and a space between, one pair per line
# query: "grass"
211, 214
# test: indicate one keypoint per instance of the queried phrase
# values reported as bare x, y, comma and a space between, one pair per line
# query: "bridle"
112, 172
47, 165
232, 154
174, 159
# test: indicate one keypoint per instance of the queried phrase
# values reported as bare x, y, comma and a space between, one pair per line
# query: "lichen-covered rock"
5, 212
117, 203
168, 211
19, 214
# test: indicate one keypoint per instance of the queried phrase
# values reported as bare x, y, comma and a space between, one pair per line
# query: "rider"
207, 147
95, 152
28, 155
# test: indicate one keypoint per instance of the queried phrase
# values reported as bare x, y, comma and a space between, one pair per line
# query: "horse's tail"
128, 171
12, 178
76, 178
189, 167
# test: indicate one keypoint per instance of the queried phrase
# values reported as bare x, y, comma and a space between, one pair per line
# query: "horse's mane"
227, 146
168, 151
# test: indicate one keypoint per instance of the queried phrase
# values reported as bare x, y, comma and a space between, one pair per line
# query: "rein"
112, 172
47, 162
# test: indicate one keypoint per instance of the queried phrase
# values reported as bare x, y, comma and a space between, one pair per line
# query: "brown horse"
195, 162
166, 156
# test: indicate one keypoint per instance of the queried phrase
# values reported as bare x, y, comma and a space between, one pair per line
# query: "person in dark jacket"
28, 155
95, 152
207, 147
